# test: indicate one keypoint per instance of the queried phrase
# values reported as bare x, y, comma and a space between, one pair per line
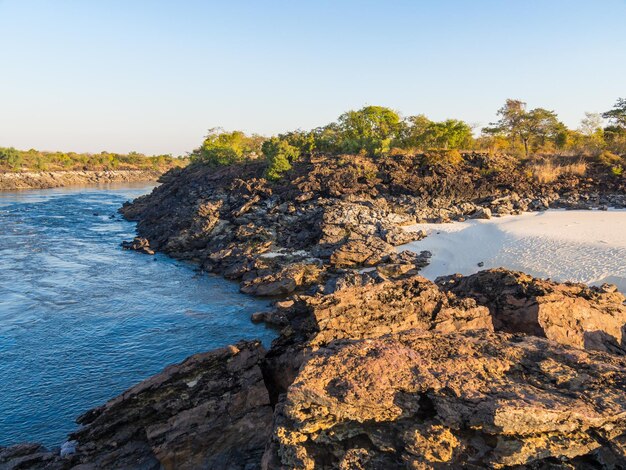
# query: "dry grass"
548, 172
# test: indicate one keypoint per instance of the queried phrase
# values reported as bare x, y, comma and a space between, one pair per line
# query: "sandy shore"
581, 246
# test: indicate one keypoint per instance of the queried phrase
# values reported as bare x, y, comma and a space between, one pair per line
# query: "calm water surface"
81, 320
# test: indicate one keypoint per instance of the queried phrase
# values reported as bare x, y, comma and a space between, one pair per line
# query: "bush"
279, 154
10, 157
548, 172
609, 158
224, 148
443, 157
14, 160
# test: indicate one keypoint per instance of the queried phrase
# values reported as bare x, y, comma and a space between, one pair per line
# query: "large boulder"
568, 313
373, 309
476, 399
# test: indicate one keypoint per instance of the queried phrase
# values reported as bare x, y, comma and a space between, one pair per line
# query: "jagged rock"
361, 253
139, 244
572, 314
210, 411
29, 456
284, 281
482, 213
403, 264
476, 399
225, 218
374, 309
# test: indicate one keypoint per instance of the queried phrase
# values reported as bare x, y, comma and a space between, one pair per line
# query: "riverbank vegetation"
533, 135
13, 160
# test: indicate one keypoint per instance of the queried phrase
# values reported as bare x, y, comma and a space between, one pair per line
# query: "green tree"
304, 141
370, 129
413, 132
449, 134
617, 115
532, 127
327, 139
280, 155
224, 148
10, 157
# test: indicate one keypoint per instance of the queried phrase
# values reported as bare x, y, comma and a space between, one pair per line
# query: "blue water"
81, 319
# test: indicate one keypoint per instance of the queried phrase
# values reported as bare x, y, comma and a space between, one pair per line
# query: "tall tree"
617, 115
534, 126
370, 129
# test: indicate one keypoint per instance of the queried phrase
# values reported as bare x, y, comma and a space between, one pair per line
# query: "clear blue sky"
153, 76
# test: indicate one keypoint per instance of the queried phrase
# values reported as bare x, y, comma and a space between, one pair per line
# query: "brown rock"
139, 244
572, 314
371, 310
210, 411
284, 281
432, 400
361, 253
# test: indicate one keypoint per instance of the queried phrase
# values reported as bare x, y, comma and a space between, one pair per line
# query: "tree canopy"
532, 128
223, 148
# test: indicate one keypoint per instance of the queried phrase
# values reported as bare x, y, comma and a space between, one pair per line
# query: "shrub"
225, 148
609, 158
443, 157
548, 172
10, 157
279, 154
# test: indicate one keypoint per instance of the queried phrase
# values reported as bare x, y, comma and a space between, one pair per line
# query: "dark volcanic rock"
139, 244
345, 211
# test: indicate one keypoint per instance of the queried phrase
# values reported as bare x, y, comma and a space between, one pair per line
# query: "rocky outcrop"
371, 309
285, 281
569, 313
55, 179
343, 212
462, 400
373, 372
210, 411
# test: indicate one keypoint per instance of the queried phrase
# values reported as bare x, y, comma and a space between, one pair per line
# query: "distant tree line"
36, 160
376, 130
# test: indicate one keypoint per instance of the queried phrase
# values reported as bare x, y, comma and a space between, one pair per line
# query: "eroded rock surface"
568, 313
343, 212
377, 308
463, 400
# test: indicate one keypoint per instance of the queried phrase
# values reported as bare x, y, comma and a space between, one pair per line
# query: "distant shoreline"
56, 179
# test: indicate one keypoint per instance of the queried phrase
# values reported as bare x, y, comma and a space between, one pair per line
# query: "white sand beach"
582, 246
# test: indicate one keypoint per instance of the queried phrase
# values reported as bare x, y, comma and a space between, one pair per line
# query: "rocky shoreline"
375, 366
55, 179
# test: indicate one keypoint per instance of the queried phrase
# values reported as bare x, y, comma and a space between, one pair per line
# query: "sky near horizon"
153, 76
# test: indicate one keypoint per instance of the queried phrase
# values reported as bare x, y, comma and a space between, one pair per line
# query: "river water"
81, 319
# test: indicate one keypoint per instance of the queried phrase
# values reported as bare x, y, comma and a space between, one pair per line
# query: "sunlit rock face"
434, 400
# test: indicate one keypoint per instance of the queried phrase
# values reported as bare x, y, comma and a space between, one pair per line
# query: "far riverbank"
56, 179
